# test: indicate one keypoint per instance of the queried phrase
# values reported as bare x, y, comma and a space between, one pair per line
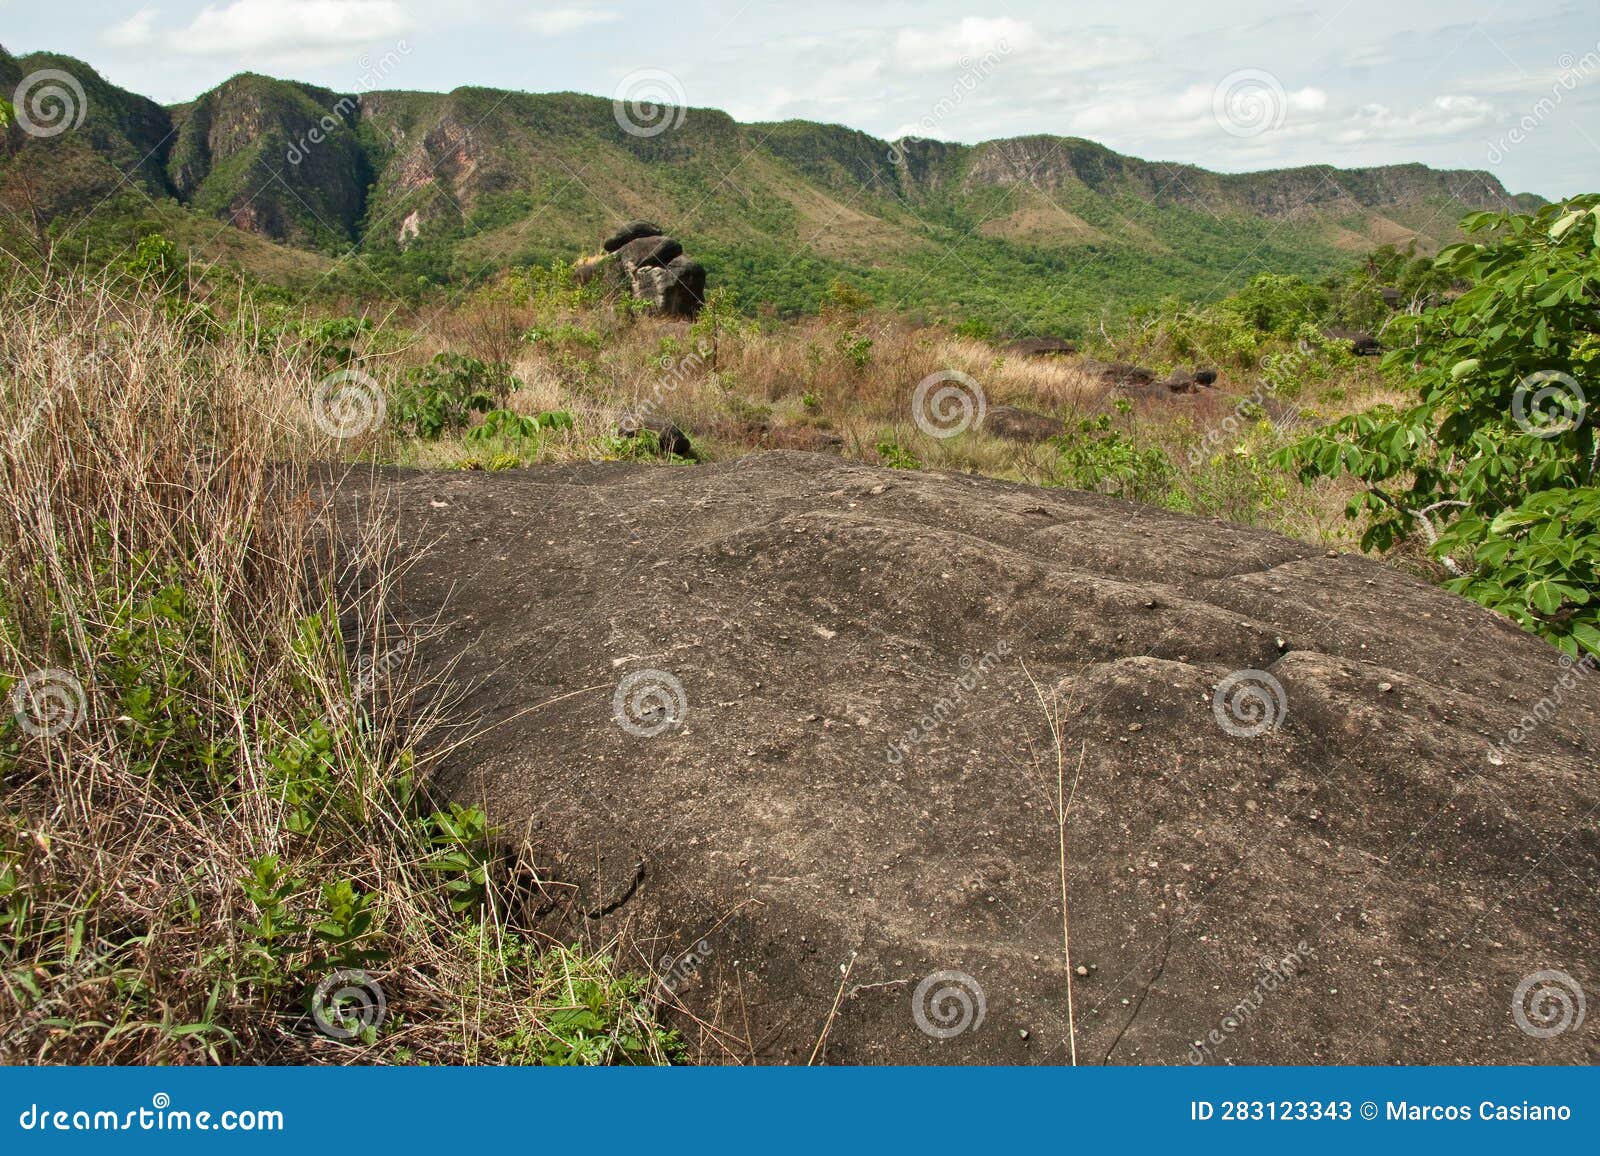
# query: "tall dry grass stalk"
198, 690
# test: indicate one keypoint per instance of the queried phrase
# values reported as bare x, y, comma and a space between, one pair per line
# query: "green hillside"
396, 192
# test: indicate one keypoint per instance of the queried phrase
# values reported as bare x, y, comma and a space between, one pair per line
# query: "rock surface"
846, 765
1021, 425
651, 267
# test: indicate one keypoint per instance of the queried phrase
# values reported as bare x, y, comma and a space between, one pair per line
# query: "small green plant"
855, 348
503, 423
897, 457
459, 837
439, 398
1098, 457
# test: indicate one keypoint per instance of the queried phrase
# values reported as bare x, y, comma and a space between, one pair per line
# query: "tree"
1494, 466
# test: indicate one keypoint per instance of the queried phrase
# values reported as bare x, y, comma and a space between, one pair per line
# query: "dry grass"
210, 793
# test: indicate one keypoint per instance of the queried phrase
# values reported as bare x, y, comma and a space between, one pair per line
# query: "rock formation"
651, 266
790, 706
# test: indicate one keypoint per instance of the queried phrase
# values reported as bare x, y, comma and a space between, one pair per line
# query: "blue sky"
1244, 85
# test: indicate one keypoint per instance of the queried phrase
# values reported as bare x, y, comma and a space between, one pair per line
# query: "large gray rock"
645, 252
632, 231
677, 290
789, 706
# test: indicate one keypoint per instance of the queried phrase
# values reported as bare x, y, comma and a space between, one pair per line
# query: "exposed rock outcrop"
805, 694
651, 266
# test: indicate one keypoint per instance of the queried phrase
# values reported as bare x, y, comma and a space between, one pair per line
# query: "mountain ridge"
433, 188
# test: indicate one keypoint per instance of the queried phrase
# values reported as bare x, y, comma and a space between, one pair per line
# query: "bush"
440, 397
1494, 465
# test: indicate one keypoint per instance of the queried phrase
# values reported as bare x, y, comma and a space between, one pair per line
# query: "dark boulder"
668, 438
1020, 425
1362, 343
677, 289
1205, 377
827, 765
1119, 373
646, 252
1180, 381
632, 231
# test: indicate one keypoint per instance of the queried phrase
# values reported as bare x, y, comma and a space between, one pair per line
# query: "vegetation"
323, 195
1494, 460
215, 796
178, 645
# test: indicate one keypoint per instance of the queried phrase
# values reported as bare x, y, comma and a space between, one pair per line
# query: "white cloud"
560, 21
959, 45
134, 32
278, 27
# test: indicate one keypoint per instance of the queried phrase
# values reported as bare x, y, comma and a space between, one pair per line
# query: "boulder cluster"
640, 258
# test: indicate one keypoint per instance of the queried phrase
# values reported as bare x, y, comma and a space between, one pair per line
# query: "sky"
1250, 84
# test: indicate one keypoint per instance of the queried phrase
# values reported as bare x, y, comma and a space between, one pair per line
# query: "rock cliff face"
791, 715
478, 178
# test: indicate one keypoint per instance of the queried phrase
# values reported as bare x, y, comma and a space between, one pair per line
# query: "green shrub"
1494, 463
439, 398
